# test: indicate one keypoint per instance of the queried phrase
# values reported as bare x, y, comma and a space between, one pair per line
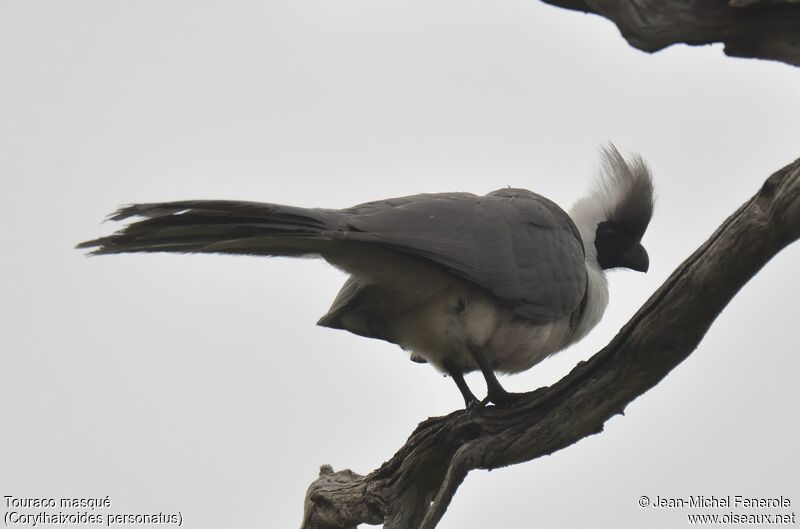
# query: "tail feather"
219, 227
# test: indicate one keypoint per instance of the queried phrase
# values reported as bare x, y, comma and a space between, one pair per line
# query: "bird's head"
613, 218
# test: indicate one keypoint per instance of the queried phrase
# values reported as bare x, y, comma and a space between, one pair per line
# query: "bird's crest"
623, 193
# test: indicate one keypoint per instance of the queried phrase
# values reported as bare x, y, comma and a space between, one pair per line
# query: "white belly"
437, 316
438, 331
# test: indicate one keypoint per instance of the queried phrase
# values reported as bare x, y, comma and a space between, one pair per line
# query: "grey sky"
200, 383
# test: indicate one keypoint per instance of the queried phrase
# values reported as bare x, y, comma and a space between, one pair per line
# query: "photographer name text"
720, 502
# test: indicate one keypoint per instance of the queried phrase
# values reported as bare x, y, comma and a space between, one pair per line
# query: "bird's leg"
495, 392
457, 375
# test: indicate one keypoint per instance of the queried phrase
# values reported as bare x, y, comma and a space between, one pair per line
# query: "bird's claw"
474, 404
501, 397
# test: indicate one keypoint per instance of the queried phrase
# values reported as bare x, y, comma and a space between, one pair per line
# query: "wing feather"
515, 244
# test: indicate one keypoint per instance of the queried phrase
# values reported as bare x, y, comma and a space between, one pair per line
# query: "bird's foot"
501, 397
473, 404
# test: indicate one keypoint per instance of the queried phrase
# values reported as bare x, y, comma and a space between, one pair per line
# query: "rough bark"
762, 29
414, 488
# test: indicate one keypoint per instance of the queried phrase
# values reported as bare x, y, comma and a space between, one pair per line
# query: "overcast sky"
200, 384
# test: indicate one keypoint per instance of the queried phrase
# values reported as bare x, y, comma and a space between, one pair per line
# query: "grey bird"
494, 283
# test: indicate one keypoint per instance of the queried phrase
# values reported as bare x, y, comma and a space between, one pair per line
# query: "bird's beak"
636, 258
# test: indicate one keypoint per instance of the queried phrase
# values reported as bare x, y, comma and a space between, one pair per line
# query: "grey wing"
515, 244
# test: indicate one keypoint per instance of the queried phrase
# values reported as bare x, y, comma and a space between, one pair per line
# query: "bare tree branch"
414, 488
762, 29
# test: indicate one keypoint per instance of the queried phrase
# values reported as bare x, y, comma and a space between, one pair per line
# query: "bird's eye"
610, 232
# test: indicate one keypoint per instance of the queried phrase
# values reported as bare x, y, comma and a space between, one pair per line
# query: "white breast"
510, 344
438, 317
596, 302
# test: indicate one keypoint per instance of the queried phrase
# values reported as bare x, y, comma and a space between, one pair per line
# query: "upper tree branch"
762, 29
414, 488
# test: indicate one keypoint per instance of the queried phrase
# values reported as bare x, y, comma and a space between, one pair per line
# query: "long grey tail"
219, 226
